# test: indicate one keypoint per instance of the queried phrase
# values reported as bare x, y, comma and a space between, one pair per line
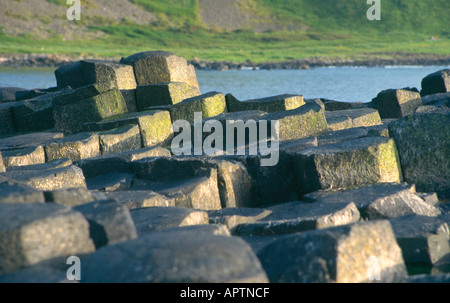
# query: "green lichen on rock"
396, 103
76, 147
343, 119
269, 104
347, 164
210, 105
156, 128
303, 122
164, 94
424, 147
121, 139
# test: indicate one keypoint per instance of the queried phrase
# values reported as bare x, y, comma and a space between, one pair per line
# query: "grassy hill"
234, 30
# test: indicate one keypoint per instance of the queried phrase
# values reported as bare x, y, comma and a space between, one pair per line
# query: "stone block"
359, 252
221, 259
269, 104
164, 94
24, 156
396, 103
31, 233
75, 147
347, 164
435, 83
109, 222
119, 140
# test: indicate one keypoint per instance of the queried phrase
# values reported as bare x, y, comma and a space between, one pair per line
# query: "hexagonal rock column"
157, 218
155, 126
87, 104
15, 192
380, 201
7, 118
305, 121
49, 176
269, 104
435, 83
121, 139
423, 240
164, 94
297, 217
347, 164
343, 119
359, 252
76, 147
160, 66
210, 105
110, 222
85, 72
24, 156
396, 103
423, 142
97, 71
194, 256
31, 233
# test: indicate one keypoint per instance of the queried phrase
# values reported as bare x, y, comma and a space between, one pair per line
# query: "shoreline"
54, 61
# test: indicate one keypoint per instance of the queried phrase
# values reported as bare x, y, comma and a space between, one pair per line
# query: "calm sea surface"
340, 83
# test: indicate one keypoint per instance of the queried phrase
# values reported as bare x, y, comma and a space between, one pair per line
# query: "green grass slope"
297, 29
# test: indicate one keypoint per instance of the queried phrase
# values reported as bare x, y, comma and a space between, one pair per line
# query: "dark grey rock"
28, 140
70, 75
97, 71
214, 229
191, 257
378, 201
438, 100
234, 183
305, 121
360, 252
31, 233
70, 197
75, 147
199, 192
298, 217
129, 95
94, 167
423, 240
35, 274
8, 94
34, 115
160, 66
7, 119
156, 218
396, 103
269, 104
121, 139
109, 222
429, 198
347, 164
49, 176
444, 278
111, 182
87, 104
423, 143
331, 105
232, 217
24, 156
134, 199
435, 83
155, 126
14, 192
168, 93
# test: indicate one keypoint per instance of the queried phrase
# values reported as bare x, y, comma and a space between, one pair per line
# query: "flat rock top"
28, 140
345, 146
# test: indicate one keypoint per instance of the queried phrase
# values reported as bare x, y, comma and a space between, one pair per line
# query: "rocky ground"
359, 192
